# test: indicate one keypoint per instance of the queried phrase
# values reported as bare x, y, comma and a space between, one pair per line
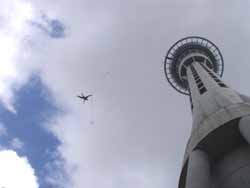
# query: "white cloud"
55, 173
3, 130
16, 171
16, 143
13, 29
114, 50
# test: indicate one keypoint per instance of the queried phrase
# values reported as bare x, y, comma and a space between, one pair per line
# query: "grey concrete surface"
244, 127
233, 170
212, 109
198, 174
215, 112
213, 122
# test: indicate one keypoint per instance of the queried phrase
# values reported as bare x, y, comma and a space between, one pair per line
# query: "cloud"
3, 130
115, 51
13, 28
54, 172
141, 125
16, 171
54, 28
16, 143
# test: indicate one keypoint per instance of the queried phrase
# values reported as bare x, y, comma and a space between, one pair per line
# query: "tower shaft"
218, 151
216, 110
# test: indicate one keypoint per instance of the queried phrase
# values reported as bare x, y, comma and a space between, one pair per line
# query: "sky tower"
217, 153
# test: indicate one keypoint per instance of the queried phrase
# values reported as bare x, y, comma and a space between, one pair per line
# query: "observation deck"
186, 51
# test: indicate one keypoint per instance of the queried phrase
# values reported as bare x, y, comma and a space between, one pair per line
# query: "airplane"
85, 98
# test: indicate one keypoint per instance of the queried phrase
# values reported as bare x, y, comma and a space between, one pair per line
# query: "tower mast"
217, 153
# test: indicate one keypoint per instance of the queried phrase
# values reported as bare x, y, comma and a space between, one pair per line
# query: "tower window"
222, 85
200, 85
215, 78
198, 81
202, 89
190, 98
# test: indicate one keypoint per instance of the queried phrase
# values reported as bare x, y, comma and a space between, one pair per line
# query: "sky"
133, 130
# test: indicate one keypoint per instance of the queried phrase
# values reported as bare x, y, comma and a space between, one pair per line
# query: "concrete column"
198, 172
244, 127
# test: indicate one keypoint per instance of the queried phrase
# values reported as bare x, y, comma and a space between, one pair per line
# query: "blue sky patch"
34, 108
53, 28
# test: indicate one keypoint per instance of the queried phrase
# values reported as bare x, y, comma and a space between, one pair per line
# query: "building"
218, 153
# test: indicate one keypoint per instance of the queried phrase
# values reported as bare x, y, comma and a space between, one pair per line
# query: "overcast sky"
133, 131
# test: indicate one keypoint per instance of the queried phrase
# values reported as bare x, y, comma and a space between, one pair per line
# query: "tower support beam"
244, 127
198, 174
